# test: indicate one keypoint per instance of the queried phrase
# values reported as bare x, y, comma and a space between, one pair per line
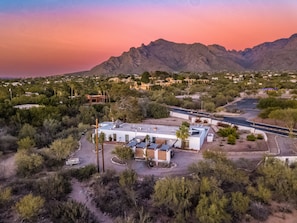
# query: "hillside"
175, 57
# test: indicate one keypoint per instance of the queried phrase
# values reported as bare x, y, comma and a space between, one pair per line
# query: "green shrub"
251, 137
29, 206
224, 125
28, 164
260, 136
84, 173
70, 212
225, 132
5, 195
55, 187
128, 178
231, 139
156, 110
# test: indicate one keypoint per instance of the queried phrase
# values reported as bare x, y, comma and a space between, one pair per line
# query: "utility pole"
97, 149
101, 139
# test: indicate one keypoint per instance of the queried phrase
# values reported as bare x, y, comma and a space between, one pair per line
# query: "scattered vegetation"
218, 190
29, 206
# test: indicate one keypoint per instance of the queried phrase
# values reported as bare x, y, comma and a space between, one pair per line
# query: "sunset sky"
48, 37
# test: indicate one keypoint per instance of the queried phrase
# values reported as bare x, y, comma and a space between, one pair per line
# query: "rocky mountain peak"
168, 56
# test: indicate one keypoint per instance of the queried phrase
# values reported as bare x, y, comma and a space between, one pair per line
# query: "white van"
72, 161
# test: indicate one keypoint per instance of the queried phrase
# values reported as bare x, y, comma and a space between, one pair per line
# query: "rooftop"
27, 106
147, 128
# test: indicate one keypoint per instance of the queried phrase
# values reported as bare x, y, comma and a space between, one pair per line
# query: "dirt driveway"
182, 159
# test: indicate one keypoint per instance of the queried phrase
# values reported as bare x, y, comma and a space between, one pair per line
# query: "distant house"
95, 99
28, 106
31, 93
142, 86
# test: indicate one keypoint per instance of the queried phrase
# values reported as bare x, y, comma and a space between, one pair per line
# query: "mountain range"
168, 56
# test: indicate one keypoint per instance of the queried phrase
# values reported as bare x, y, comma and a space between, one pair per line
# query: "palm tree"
183, 134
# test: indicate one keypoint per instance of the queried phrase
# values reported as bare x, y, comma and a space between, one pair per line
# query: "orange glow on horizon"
47, 42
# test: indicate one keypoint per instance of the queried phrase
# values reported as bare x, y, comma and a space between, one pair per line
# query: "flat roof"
148, 128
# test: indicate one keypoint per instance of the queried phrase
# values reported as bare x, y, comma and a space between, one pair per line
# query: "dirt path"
7, 166
81, 194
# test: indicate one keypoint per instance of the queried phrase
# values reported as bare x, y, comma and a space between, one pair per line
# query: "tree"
5, 195
145, 77
209, 106
128, 178
279, 179
174, 194
155, 110
183, 134
260, 192
212, 209
223, 170
87, 114
70, 212
124, 153
27, 130
126, 109
239, 203
29, 206
209, 185
51, 126
288, 116
61, 148
55, 187
26, 143
28, 164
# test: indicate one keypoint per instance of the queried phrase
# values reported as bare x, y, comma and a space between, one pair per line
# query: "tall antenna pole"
97, 150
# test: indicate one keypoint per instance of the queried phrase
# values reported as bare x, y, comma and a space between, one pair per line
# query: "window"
114, 137
153, 139
127, 138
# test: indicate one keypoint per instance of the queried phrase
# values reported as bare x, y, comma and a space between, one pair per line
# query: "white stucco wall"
195, 141
289, 159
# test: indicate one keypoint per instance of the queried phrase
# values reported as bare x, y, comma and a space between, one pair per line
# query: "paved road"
287, 146
247, 105
182, 159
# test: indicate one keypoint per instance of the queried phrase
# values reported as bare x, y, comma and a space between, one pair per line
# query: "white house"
287, 159
159, 134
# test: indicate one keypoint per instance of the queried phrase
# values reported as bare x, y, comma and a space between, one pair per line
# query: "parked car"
72, 161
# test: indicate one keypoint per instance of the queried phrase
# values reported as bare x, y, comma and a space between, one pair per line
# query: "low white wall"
288, 159
215, 122
180, 115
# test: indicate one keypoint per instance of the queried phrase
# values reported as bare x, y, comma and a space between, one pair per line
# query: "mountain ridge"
169, 56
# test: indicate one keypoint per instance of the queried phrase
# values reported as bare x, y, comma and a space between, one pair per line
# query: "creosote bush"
29, 206
70, 212
83, 173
